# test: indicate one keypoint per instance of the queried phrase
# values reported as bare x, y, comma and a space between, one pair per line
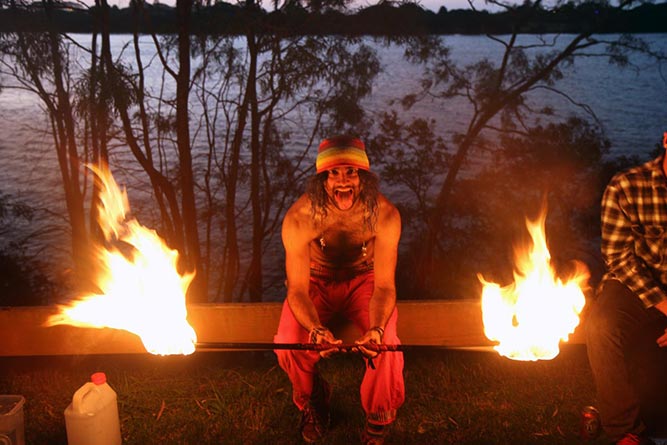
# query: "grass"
452, 397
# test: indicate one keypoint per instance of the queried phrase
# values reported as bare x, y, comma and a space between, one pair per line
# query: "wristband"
317, 330
379, 330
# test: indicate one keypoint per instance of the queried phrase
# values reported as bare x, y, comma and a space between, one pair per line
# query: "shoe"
315, 416
373, 434
313, 424
634, 439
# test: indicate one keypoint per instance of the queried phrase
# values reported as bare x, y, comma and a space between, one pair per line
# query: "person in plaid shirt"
629, 317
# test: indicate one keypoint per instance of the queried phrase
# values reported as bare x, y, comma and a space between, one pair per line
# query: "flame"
532, 315
141, 289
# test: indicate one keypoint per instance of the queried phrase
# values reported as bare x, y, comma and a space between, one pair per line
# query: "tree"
178, 220
210, 140
39, 62
498, 93
271, 80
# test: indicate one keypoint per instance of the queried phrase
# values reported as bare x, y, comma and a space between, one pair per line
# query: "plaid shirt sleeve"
619, 214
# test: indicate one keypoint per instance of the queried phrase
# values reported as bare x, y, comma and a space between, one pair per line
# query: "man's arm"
618, 247
296, 234
662, 307
383, 300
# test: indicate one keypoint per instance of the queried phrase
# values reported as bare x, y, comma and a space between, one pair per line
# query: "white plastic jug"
92, 417
11, 420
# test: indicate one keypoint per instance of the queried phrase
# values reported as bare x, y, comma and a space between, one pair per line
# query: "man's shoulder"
385, 202
639, 173
387, 208
299, 206
299, 213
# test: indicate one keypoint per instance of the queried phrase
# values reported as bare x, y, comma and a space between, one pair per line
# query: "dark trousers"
625, 358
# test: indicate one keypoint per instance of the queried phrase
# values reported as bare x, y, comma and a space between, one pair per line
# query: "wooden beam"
421, 322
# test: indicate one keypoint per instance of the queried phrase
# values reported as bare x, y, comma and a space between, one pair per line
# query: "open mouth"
344, 198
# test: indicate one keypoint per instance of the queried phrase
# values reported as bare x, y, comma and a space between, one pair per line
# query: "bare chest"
343, 243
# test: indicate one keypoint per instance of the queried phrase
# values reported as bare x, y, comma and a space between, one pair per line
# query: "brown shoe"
315, 415
373, 434
313, 424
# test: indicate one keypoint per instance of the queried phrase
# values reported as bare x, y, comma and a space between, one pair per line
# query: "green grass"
452, 397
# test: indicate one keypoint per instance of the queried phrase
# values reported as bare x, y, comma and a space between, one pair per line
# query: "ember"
141, 291
532, 315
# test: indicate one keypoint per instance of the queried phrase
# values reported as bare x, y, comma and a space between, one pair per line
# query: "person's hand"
373, 336
662, 340
662, 307
322, 335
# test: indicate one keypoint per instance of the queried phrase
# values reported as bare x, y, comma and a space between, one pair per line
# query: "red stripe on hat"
335, 152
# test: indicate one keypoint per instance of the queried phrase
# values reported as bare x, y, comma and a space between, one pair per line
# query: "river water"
630, 104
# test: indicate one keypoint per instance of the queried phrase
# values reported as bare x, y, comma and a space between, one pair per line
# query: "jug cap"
99, 378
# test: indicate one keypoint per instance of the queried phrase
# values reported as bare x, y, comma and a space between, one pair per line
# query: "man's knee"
599, 326
603, 319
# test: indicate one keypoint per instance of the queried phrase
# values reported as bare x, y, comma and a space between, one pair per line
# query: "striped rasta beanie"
341, 150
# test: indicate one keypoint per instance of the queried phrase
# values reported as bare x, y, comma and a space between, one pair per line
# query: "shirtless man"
341, 241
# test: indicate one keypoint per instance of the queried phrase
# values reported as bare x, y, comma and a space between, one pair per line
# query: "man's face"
343, 186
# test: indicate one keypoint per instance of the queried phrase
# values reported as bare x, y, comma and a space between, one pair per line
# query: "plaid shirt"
634, 231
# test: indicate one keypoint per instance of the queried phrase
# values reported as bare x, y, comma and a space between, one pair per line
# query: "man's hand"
662, 340
662, 307
374, 336
322, 335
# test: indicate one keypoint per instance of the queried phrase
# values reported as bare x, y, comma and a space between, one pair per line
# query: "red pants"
382, 389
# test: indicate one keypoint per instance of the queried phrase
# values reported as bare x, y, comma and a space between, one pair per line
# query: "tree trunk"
98, 113
162, 189
68, 156
192, 256
162, 186
231, 251
255, 270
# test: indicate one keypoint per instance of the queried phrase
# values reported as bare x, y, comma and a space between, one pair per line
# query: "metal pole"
345, 347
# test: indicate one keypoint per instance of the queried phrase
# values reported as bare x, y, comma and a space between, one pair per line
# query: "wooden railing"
420, 322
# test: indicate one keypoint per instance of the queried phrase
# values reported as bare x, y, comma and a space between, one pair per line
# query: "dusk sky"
433, 5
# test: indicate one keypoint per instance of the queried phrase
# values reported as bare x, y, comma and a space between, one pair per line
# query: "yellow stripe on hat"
332, 157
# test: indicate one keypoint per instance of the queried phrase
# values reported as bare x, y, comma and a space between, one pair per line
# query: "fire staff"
629, 314
341, 241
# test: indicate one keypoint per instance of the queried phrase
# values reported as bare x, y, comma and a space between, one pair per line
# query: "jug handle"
80, 394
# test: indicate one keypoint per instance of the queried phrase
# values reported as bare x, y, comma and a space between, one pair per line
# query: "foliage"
564, 165
253, 114
266, 94
410, 157
499, 93
235, 157
22, 279
560, 164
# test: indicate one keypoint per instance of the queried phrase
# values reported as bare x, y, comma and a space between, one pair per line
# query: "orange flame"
141, 292
532, 315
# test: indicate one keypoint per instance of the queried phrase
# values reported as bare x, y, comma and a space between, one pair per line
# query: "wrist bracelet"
379, 330
317, 330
